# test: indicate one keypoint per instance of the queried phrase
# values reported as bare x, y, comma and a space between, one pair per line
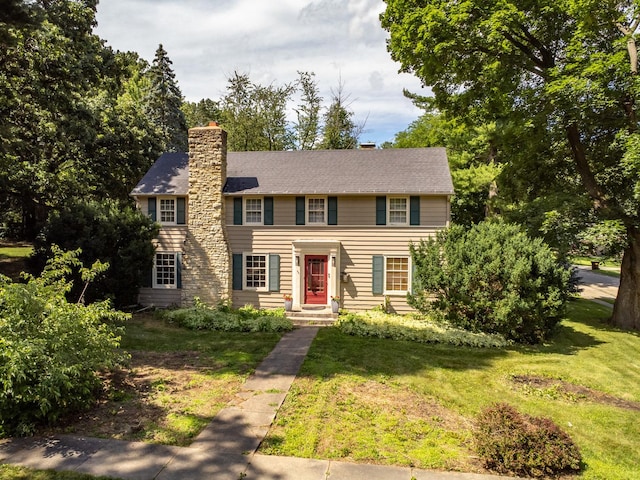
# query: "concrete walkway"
225, 450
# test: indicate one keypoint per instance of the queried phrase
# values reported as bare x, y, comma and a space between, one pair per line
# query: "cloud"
207, 41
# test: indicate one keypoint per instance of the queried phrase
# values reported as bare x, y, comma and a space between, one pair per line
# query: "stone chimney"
206, 270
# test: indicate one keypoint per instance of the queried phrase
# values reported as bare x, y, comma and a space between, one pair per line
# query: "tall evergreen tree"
164, 100
339, 131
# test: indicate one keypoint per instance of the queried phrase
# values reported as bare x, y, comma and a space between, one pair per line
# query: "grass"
400, 403
177, 382
10, 472
15, 252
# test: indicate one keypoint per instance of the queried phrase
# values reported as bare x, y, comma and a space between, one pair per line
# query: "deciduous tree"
560, 77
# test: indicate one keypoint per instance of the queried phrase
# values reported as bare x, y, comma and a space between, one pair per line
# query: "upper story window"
397, 210
253, 211
317, 210
167, 210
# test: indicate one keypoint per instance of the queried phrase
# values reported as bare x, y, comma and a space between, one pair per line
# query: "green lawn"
399, 403
609, 268
15, 252
10, 472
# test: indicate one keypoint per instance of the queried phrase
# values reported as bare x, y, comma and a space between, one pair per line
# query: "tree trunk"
626, 311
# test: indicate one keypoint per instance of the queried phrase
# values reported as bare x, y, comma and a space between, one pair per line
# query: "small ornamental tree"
491, 278
51, 350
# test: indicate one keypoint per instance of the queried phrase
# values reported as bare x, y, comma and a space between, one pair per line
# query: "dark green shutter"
414, 210
179, 269
381, 210
333, 211
147, 280
180, 211
300, 210
151, 208
237, 211
237, 271
377, 275
274, 273
414, 282
268, 210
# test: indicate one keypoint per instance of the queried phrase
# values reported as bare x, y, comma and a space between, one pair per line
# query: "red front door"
315, 279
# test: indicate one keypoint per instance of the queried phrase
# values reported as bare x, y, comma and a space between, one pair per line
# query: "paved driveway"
596, 286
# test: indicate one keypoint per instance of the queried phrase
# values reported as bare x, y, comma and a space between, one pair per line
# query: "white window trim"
159, 211
244, 271
155, 283
409, 279
326, 209
244, 210
407, 213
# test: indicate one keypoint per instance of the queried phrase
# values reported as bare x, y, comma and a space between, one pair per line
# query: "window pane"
165, 269
397, 210
253, 208
397, 269
256, 271
167, 210
316, 210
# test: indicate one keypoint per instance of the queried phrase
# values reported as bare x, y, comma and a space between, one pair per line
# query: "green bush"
413, 329
51, 351
491, 278
224, 318
511, 442
106, 231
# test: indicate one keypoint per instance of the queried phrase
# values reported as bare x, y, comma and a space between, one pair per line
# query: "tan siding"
159, 297
434, 211
357, 210
171, 239
358, 247
354, 210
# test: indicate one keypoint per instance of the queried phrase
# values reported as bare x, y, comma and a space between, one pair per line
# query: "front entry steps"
312, 316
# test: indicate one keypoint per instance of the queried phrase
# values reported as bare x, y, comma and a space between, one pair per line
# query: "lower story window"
396, 271
255, 271
165, 271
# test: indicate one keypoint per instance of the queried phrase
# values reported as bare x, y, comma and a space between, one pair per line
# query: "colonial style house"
255, 226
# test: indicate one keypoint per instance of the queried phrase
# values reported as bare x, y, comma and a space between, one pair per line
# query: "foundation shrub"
510, 442
491, 278
224, 318
413, 329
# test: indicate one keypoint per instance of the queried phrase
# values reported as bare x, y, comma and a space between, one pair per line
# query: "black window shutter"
237, 271
268, 210
180, 211
414, 211
237, 211
274, 273
381, 210
147, 280
332, 211
377, 278
300, 211
151, 208
179, 269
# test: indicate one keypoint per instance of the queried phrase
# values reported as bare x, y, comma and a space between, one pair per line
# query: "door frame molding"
301, 248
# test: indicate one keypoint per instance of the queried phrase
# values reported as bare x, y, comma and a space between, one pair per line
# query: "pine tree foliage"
164, 102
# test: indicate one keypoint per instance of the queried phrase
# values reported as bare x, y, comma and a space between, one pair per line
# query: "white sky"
207, 40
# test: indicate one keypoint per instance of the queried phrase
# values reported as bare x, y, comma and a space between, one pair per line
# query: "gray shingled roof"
400, 170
